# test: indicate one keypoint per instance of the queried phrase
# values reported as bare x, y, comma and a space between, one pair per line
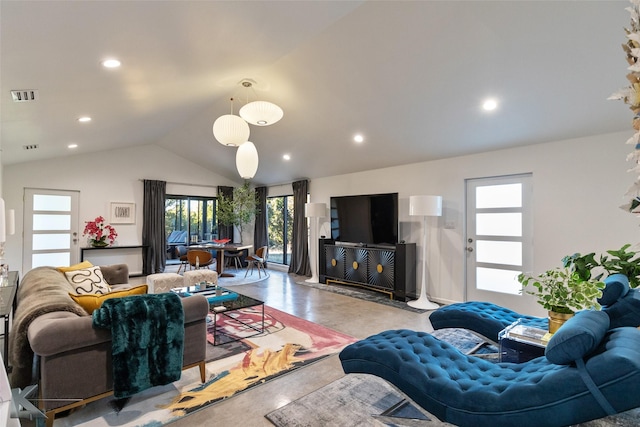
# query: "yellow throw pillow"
91, 302
80, 266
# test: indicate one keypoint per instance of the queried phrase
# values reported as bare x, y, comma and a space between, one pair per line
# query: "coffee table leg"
262, 331
215, 327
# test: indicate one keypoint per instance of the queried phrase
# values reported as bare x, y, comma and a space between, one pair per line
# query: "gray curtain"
225, 231
299, 244
153, 232
260, 235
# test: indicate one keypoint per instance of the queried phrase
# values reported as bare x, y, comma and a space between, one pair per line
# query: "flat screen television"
365, 219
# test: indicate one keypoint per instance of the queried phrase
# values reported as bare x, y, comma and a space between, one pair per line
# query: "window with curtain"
190, 219
280, 228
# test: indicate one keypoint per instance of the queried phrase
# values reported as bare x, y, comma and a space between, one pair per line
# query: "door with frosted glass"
50, 228
499, 240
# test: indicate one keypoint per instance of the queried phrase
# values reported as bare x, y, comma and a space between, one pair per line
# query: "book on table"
213, 294
529, 334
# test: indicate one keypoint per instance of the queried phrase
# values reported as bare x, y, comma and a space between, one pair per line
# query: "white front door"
50, 228
499, 240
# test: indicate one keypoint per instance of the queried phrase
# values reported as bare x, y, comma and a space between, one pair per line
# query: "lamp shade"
315, 210
247, 160
261, 113
425, 205
231, 130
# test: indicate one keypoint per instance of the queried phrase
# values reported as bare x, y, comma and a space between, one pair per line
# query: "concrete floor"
351, 316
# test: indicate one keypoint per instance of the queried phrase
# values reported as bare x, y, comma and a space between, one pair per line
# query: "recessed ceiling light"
490, 105
286, 157
84, 119
358, 138
111, 63
72, 146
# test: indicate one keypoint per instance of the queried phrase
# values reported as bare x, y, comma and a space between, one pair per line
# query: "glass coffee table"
236, 323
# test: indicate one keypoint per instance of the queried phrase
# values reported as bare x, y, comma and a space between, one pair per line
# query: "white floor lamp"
315, 211
424, 206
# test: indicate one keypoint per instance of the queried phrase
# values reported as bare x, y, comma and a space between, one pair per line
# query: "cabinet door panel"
356, 265
335, 261
380, 270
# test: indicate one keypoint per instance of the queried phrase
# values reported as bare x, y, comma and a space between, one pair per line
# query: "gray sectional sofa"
53, 343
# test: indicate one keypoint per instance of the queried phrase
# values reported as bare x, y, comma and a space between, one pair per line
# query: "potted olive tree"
238, 210
562, 291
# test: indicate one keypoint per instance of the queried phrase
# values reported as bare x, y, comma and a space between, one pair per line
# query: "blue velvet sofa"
589, 371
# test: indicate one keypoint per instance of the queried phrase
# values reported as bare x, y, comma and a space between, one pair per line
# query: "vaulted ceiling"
409, 76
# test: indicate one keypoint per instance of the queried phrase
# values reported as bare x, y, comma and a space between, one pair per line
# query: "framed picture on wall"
123, 213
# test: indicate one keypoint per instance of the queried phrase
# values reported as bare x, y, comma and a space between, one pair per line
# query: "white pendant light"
247, 160
231, 130
261, 113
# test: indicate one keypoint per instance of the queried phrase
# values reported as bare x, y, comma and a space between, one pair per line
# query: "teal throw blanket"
147, 334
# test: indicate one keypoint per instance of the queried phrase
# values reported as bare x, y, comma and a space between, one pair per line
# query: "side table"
520, 342
7, 305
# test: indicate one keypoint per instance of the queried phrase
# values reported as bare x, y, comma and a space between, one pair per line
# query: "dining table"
220, 248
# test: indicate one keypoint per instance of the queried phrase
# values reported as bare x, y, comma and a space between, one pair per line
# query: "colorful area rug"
287, 343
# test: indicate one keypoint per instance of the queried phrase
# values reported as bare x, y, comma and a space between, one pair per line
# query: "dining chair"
258, 259
200, 258
181, 253
233, 256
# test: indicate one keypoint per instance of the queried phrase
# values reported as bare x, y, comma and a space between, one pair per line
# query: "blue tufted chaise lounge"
596, 373
484, 318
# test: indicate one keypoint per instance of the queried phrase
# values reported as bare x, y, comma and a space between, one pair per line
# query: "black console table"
387, 269
91, 248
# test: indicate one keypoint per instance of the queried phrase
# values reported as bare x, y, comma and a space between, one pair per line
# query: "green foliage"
619, 261
240, 209
582, 264
623, 262
563, 290
276, 221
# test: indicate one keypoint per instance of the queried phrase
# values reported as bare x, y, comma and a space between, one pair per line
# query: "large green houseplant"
622, 261
562, 291
238, 210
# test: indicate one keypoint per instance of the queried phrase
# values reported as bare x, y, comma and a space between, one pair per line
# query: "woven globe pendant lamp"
261, 113
231, 130
247, 160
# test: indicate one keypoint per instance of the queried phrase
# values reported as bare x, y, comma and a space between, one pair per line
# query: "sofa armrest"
60, 331
196, 307
115, 274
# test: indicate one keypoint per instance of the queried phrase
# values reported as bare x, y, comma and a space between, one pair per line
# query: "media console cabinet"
387, 269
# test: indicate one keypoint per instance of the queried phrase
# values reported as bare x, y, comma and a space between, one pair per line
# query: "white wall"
578, 187
101, 178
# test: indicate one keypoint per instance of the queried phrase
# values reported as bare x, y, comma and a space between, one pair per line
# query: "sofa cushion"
91, 302
616, 286
578, 337
79, 266
88, 281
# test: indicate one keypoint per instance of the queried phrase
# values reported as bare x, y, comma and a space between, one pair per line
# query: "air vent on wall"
24, 95
30, 146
